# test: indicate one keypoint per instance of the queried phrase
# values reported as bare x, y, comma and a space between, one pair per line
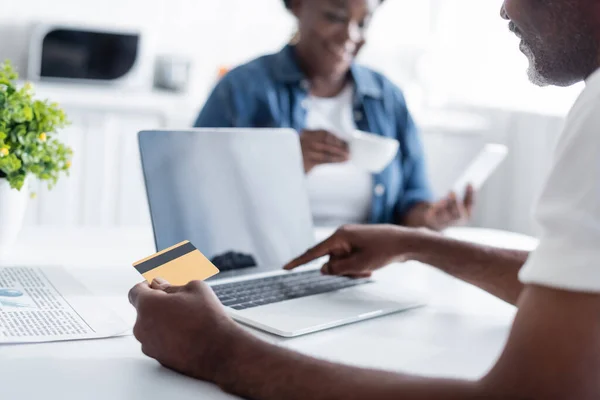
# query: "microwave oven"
62, 52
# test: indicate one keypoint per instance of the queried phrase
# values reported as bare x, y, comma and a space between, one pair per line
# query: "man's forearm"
261, 371
492, 269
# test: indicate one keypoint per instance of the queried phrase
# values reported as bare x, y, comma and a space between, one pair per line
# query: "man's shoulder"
588, 102
567, 212
582, 122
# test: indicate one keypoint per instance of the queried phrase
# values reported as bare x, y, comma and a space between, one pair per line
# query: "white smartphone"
481, 168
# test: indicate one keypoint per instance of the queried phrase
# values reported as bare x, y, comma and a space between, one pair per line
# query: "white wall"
192, 28
216, 33
450, 51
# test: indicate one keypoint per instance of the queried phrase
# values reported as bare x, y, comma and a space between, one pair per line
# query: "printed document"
48, 304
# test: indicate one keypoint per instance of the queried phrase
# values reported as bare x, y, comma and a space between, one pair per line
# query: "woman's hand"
443, 214
321, 147
358, 250
450, 211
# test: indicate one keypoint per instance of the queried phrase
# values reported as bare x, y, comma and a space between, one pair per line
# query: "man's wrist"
415, 243
238, 355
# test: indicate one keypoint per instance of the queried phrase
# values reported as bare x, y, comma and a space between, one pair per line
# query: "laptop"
239, 195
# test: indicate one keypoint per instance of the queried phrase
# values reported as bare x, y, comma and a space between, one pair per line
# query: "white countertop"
101, 98
459, 334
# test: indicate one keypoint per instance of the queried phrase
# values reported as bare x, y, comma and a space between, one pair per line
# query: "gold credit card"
179, 265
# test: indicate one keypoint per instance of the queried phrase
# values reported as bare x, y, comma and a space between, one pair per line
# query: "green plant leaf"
26, 128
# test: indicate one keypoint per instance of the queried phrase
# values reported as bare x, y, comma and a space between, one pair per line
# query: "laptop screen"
238, 195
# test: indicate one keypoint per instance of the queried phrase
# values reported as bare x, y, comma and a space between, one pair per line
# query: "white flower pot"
13, 204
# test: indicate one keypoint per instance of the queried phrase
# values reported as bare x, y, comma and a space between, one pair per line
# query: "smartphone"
481, 168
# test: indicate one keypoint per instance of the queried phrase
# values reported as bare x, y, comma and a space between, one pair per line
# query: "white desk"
459, 334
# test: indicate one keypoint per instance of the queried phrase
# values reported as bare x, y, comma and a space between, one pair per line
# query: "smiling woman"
330, 35
315, 86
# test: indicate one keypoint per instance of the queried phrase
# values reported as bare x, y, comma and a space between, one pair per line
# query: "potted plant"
28, 148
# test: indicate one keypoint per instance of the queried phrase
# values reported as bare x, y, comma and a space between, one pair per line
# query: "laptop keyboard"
275, 289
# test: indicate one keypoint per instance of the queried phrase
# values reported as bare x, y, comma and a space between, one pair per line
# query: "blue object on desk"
10, 293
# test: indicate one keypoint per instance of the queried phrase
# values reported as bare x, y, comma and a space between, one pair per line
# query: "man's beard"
570, 60
534, 71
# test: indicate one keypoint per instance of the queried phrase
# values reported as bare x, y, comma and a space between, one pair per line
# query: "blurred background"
464, 80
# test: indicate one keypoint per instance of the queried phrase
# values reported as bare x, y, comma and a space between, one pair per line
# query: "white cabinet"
105, 187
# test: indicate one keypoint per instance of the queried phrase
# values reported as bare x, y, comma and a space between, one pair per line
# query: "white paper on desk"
48, 304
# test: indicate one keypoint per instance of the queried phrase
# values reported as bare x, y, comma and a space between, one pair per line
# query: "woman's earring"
295, 39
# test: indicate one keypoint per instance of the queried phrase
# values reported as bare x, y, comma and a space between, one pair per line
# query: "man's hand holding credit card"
179, 265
